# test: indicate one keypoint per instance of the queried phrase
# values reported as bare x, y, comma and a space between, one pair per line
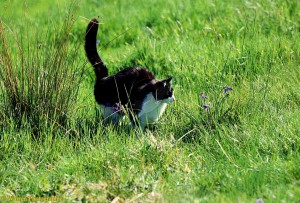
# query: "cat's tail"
91, 50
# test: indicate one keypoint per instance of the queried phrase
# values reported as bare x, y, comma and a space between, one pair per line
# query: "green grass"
244, 148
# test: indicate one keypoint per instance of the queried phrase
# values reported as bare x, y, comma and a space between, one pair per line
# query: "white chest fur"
152, 109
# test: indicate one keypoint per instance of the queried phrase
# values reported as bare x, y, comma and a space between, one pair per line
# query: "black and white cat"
134, 90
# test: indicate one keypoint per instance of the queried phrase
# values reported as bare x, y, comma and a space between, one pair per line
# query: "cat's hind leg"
110, 115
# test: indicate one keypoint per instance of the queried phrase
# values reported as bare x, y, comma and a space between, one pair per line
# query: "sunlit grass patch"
232, 134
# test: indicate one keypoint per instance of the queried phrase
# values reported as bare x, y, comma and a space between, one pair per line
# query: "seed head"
203, 96
227, 89
116, 107
206, 107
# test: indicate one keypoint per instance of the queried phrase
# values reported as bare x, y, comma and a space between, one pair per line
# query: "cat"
133, 90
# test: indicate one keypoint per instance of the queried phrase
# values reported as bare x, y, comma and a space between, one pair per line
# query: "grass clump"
39, 75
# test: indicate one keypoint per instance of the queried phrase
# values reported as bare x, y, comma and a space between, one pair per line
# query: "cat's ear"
168, 80
163, 83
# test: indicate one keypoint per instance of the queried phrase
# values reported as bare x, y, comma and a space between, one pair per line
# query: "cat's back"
119, 86
135, 74
128, 77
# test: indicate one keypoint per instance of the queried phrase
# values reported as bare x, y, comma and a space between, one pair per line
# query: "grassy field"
231, 136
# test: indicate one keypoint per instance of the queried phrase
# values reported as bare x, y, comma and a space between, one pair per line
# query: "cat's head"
164, 91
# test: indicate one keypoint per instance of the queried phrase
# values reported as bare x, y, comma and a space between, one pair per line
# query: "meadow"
231, 136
